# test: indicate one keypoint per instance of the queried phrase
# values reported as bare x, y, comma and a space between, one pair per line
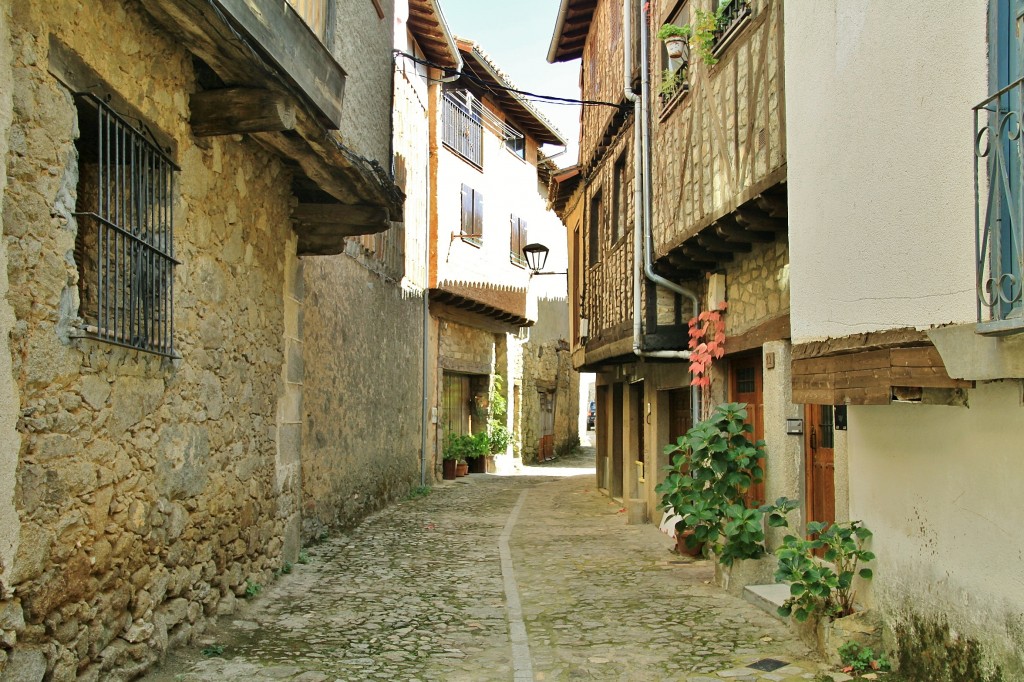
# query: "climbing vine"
707, 344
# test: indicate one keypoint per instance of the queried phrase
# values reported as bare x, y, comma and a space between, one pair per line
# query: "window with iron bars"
462, 126
124, 248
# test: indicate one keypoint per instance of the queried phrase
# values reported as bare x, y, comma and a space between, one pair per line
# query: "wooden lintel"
869, 377
231, 111
772, 330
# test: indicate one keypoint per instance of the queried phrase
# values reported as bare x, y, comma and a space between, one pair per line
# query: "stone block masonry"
147, 490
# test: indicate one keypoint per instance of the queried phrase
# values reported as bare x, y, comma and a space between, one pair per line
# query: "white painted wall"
940, 488
10, 442
509, 185
881, 193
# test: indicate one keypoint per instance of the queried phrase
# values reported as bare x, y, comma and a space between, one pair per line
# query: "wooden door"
819, 465
679, 413
746, 386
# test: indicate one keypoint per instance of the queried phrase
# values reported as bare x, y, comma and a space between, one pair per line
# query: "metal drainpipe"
642, 232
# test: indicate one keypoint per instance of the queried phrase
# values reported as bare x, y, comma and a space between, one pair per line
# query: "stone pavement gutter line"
522, 664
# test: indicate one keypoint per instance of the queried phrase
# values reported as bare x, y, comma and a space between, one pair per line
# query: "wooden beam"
713, 242
231, 111
322, 228
772, 330
315, 215
728, 229
755, 220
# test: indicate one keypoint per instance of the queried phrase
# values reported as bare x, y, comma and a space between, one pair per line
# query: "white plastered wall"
880, 163
940, 488
9, 440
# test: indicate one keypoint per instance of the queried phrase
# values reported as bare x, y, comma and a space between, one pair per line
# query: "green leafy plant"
498, 438
418, 492
252, 589
212, 650
712, 466
671, 81
466, 446
823, 587
673, 31
285, 569
303, 556
858, 659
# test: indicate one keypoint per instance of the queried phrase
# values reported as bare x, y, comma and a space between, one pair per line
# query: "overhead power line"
551, 99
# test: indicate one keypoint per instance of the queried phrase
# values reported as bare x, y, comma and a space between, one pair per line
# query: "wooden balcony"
268, 74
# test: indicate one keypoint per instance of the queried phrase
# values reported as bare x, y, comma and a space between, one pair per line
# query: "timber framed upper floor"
718, 156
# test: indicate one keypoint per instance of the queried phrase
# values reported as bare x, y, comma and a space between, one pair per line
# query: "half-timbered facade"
713, 217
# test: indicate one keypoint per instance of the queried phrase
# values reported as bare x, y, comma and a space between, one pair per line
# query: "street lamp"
536, 256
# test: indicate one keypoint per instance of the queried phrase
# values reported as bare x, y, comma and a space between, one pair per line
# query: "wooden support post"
231, 111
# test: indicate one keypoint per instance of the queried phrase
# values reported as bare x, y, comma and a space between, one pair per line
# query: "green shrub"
713, 465
818, 587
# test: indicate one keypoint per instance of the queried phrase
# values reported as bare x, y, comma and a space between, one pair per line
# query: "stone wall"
757, 287
547, 366
466, 349
362, 394
147, 489
9, 406
361, 41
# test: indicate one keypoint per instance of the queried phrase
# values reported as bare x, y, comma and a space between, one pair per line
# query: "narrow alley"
420, 592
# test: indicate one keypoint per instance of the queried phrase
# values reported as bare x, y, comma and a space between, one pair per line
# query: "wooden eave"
265, 45
502, 304
519, 111
431, 32
563, 185
759, 216
571, 30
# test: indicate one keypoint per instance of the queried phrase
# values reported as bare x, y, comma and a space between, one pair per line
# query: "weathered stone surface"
417, 592
25, 665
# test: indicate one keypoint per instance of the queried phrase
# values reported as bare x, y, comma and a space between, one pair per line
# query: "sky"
516, 36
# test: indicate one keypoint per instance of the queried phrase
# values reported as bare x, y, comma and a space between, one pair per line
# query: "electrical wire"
551, 99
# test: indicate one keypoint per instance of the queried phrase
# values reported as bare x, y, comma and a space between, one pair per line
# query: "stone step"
768, 598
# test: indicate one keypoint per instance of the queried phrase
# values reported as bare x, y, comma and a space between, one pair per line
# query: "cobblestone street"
440, 588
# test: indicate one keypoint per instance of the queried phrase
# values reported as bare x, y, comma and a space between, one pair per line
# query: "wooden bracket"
231, 111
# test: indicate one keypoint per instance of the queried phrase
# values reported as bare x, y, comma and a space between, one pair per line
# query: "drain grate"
768, 664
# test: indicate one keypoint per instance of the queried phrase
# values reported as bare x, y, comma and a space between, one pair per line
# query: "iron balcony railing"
999, 206
463, 130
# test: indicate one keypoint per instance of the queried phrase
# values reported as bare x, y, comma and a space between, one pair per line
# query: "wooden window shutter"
513, 240
466, 223
478, 214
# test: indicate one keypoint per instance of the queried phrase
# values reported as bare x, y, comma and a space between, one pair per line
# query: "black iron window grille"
124, 248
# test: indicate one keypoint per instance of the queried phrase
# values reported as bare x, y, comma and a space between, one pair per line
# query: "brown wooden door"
819, 465
746, 386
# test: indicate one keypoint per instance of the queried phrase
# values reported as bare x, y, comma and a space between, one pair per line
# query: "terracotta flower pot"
461, 469
676, 47
683, 549
448, 469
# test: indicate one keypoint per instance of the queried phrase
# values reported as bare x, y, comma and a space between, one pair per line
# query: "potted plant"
712, 466
675, 39
671, 81
451, 453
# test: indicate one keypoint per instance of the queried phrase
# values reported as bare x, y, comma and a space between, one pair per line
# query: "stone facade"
547, 369
150, 493
757, 288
